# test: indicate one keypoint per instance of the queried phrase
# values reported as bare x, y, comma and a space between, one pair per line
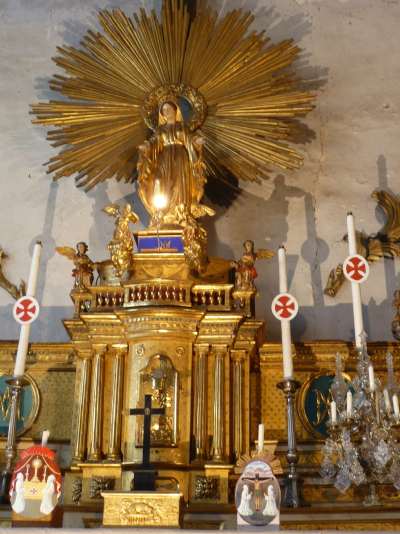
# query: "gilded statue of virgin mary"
171, 171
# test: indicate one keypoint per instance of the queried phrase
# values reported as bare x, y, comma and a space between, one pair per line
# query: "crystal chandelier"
362, 447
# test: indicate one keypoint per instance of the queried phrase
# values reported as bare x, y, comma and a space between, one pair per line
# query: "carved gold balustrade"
157, 292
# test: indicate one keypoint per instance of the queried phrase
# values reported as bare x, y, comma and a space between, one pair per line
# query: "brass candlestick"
289, 386
16, 383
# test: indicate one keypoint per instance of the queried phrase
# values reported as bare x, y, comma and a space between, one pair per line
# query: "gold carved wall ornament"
206, 488
13, 290
384, 244
218, 75
98, 484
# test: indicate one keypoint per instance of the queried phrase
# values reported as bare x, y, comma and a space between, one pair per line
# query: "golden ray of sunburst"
250, 93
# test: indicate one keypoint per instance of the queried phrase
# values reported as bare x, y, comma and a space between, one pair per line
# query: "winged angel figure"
83, 265
245, 271
121, 245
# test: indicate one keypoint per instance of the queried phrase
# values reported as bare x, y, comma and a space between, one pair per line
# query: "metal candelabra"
289, 386
16, 383
362, 447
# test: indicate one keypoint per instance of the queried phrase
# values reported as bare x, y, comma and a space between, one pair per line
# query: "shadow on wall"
377, 317
316, 321
47, 328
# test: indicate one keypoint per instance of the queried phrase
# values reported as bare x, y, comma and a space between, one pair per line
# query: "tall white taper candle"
45, 437
22, 350
387, 401
355, 288
260, 438
371, 376
349, 404
395, 399
285, 325
333, 412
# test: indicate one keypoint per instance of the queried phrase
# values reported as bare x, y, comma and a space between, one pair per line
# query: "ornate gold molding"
13, 290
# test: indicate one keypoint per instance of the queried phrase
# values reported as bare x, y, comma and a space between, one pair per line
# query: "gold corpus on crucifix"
215, 95
383, 244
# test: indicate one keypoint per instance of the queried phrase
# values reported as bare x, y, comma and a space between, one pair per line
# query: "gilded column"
96, 405
114, 438
237, 357
217, 450
81, 411
200, 400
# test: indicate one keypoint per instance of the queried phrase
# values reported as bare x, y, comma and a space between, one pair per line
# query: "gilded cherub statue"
195, 245
83, 265
173, 159
245, 271
121, 245
13, 290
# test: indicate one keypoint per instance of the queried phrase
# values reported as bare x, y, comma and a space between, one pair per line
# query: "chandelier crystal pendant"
362, 446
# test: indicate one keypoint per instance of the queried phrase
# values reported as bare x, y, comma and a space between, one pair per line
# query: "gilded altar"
191, 345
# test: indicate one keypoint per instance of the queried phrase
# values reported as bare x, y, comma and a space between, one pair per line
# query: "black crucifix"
145, 476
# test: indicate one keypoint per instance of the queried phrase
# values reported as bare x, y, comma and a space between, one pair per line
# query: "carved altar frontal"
138, 509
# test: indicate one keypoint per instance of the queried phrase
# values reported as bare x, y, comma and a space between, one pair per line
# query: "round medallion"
257, 494
28, 408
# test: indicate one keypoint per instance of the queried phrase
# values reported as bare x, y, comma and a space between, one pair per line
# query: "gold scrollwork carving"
13, 290
383, 244
206, 488
99, 484
76, 492
180, 352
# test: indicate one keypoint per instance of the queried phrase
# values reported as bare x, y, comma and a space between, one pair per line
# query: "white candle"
333, 412
285, 325
260, 438
371, 377
283, 285
34, 272
351, 234
45, 437
387, 401
22, 350
349, 404
355, 288
396, 405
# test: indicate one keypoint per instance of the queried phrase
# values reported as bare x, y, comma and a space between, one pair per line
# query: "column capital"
118, 349
84, 354
238, 355
202, 348
219, 349
99, 349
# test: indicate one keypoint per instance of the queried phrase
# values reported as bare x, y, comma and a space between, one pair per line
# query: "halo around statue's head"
177, 94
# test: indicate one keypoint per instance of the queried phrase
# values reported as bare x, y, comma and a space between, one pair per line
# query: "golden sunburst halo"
246, 96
